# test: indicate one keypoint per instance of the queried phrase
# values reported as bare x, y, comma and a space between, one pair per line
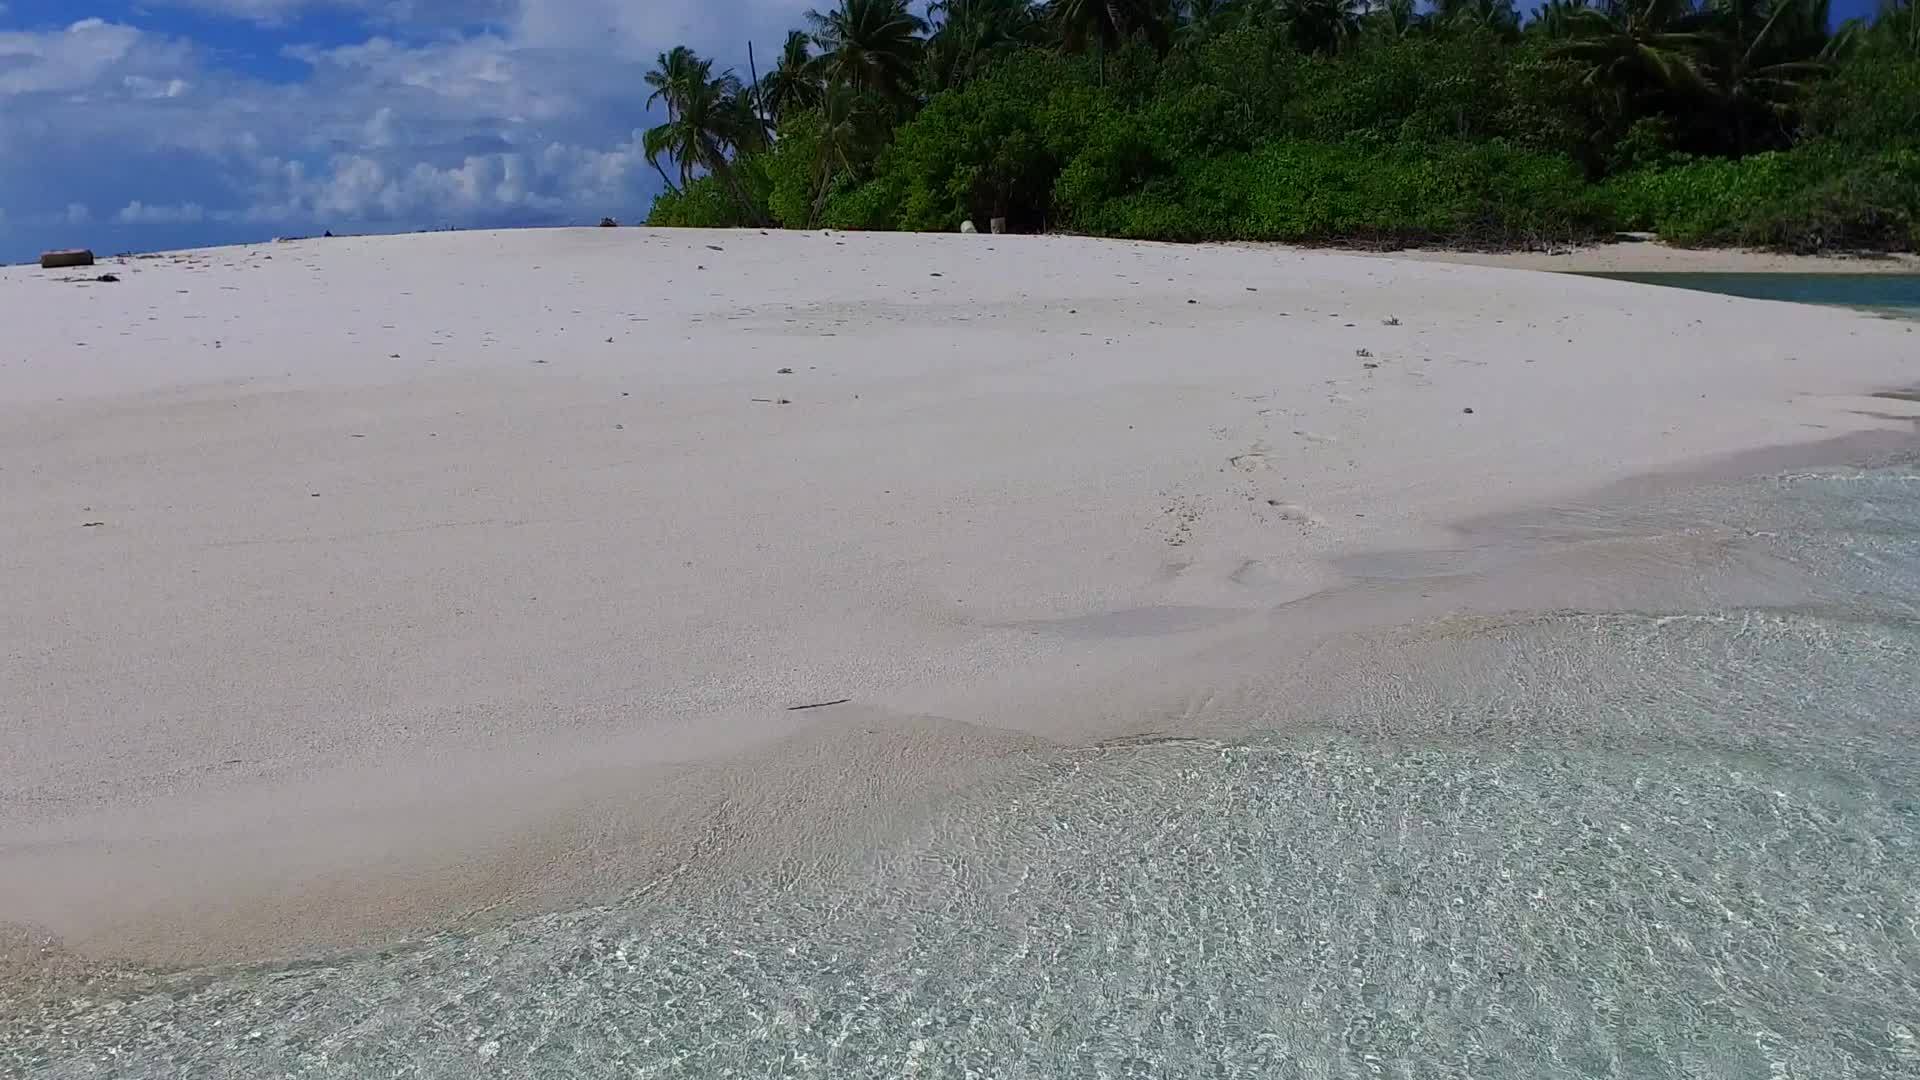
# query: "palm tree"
1758, 70
656, 144
870, 45
1394, 20
1107, 23
1317, 26
677, 75
707, 116
1893, 30
968, 34
745, 127
1808, 29
1636, 46
1497, 16
848, 127
1551, 19
1900, 22
794, 83
1203, 20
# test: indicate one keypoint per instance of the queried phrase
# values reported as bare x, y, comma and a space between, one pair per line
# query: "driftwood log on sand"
60, 260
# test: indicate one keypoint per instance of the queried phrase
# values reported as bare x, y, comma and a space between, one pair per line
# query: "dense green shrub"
991, 149
1134, 152
1411, 132
1872, 103
1702, 201
1242, 139
1253, 67
1311, 191
704, 204
1810, 198
792, 170
1420, 89
707, 204
1548, 105
1872, 204
872, 205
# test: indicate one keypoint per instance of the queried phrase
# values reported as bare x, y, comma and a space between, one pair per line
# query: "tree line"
1348, 121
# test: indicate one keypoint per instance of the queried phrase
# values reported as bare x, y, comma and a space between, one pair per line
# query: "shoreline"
1646, 256
1630, 254
1524, 580
407, 558
1507, 776
1503, 567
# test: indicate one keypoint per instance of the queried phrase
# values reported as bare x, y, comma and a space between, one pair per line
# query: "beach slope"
362, 586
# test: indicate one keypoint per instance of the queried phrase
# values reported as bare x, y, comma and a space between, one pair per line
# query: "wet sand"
361, 587
1676, 711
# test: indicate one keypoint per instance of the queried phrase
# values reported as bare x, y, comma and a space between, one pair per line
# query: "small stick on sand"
817, 705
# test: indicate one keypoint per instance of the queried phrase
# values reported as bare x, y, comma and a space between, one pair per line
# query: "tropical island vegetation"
1753, 122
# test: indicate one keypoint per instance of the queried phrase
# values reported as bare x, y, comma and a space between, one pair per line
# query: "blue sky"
146, 124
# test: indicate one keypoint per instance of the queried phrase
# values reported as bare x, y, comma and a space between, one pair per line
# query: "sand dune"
356, 586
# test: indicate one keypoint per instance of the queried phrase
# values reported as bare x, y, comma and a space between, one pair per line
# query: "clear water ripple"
1625, 844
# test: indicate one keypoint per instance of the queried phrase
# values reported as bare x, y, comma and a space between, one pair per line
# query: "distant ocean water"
1897, 295
1672, 834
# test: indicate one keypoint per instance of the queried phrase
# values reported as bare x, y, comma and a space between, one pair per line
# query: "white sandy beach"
359, 586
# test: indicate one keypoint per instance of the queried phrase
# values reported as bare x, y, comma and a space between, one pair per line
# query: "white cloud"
139, 213
558, 180
277, 12
381, 129
268, 10
145, 87
482, 75
73, 59
470, 113
718, 26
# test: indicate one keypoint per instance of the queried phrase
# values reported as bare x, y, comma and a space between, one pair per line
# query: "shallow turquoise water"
1892, 294
1633, 840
